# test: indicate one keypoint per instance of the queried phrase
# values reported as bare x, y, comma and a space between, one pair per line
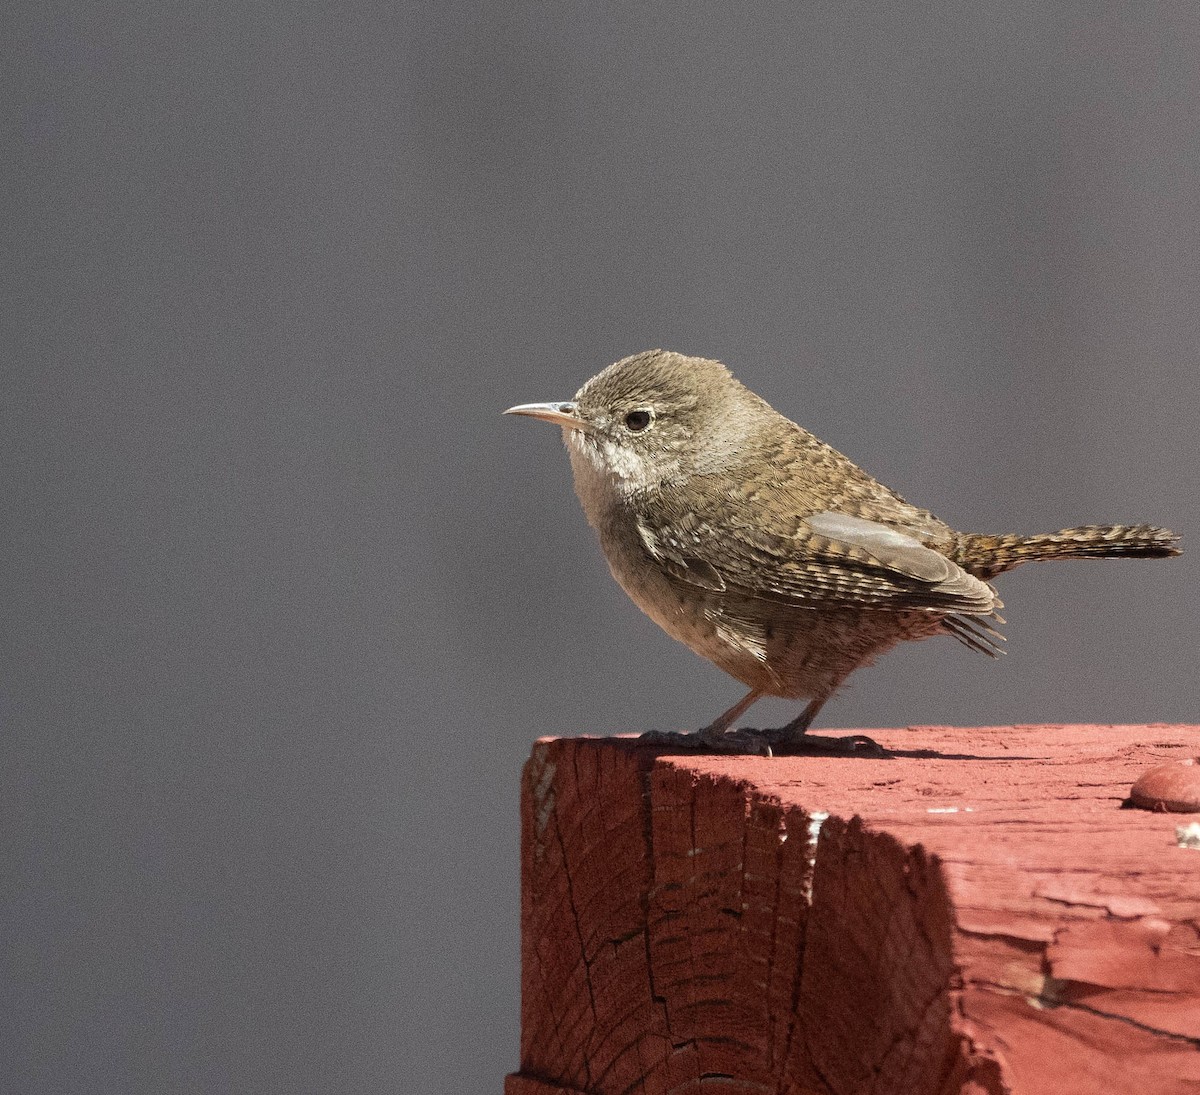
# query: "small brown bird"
770, 553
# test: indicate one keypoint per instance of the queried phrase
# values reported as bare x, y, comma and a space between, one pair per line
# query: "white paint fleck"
1188, 836
813, 836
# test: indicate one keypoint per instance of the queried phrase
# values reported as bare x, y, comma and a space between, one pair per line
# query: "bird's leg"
795, 736
717, 735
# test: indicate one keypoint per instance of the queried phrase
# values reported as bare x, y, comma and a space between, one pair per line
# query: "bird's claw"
763, 743
740, 742
852, 745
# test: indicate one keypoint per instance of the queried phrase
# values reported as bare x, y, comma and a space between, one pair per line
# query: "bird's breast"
694, 616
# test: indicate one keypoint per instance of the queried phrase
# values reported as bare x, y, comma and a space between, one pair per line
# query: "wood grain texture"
975, 914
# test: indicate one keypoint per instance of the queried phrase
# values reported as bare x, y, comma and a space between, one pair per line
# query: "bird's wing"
818, 560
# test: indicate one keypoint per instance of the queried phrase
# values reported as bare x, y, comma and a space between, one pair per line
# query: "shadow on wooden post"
979, 917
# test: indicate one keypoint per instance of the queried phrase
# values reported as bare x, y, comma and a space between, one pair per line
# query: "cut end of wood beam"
979, 912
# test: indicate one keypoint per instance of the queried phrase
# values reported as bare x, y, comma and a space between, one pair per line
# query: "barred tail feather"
986, 556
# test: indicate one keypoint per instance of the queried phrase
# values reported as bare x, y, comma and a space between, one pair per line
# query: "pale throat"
605, 471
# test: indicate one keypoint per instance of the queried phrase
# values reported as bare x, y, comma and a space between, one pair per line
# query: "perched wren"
770, 553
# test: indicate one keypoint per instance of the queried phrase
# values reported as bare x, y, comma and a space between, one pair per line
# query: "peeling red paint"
976, 913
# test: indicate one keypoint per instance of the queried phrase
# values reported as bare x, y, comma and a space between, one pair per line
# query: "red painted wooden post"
977, 914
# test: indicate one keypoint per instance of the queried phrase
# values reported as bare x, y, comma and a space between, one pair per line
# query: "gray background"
286, 601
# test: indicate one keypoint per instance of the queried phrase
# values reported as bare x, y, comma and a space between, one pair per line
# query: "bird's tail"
985, 556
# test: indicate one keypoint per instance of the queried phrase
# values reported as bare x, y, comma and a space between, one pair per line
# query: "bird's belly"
778, 649
689, 615
809, 652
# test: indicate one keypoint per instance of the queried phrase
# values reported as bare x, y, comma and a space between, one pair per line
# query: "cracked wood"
981, 916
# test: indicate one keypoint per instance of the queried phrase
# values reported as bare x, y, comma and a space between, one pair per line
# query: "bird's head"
656, 416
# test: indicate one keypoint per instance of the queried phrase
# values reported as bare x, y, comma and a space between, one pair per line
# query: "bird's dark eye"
636, 421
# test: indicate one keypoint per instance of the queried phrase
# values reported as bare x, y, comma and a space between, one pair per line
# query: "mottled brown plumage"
767, 551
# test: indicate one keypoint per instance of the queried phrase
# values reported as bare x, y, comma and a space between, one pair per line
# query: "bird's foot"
782, 741
746, 742
763, 743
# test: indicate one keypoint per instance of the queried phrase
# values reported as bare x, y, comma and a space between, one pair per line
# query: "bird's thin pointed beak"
561, 414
